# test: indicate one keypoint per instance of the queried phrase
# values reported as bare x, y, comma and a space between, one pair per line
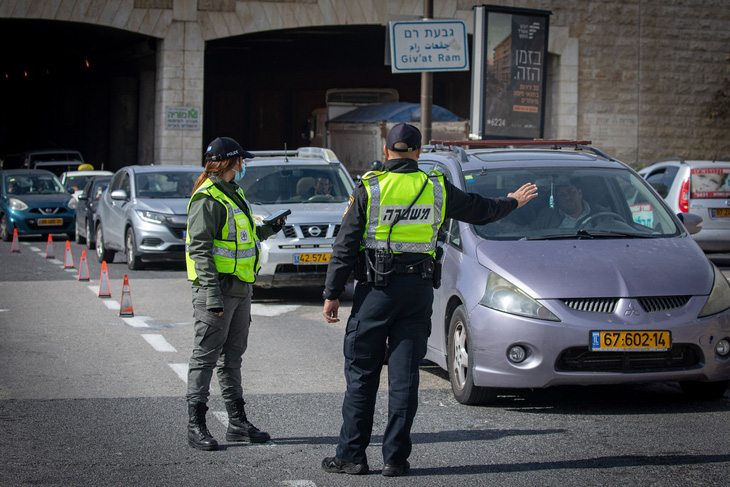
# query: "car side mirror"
70, 190
119, 194
82, 197
692, 222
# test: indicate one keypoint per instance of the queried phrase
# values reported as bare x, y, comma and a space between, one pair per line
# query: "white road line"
272, 309
55, 261
181, 370
34, 249
299, 483
159, 343
137, 321
71, 269
111, 304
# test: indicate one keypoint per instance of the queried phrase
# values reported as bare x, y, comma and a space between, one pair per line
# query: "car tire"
102, 254
130, 249
704, 390
89, 241
461, 363
77, 235
5, 232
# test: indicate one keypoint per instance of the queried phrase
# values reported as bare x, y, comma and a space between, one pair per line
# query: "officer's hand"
524, 194
331, 306
278, 224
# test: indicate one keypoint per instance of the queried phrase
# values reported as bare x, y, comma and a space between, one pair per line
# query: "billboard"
509, 74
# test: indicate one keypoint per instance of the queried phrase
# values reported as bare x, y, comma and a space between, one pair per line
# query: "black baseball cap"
403, 138
225, 148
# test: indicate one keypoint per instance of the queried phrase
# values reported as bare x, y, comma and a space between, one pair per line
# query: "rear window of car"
709, 182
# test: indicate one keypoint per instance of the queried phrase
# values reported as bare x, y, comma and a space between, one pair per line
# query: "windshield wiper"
580, 234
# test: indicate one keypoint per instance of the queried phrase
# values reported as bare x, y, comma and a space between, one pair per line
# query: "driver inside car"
570, 207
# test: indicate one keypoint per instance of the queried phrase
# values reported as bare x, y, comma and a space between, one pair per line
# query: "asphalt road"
91, 398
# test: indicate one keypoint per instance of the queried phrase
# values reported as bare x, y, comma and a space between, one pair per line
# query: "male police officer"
388, 235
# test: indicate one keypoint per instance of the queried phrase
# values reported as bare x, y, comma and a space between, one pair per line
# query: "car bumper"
29, 224
713, 240
281, 267
559, 354
159, 243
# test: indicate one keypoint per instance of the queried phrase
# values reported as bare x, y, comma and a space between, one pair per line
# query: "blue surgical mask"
239, 174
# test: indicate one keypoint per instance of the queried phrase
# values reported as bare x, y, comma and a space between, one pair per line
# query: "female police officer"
222, 256
394, 295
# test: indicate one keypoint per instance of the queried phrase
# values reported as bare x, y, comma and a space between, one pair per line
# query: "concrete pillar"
146, 118
179, 83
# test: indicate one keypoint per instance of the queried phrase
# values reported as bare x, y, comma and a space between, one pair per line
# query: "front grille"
290, 231
47, 210
593, 305
151, 242
581, 359
178, 232
662, 303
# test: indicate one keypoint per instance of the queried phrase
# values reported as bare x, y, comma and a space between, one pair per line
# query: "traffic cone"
16, 246
69, 262
50, 254
125, 305
83, 267
104, 290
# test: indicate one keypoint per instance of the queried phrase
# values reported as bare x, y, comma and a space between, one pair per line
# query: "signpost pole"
426, 86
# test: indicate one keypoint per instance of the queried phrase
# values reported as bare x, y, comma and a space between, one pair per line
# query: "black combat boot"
239, 429
198, 435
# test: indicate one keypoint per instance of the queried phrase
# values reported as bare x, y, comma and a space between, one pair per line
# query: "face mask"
239, 174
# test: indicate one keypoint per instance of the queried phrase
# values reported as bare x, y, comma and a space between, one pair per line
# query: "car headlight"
719, 299
72, 203
504, 296
17, 205
152, 216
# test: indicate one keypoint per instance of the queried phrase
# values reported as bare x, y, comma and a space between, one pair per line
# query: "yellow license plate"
50, 221
311, 258
720, 212
631, 341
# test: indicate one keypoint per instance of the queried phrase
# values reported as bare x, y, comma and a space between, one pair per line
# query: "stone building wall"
633, 76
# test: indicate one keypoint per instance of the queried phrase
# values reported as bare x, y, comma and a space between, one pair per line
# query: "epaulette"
371, 174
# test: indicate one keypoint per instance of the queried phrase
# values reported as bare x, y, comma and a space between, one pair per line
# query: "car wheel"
461, 363
5, 232
704, 390
102, 254
89, 240
77, 235
133, 261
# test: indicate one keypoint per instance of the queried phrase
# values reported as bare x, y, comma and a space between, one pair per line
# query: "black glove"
276, 227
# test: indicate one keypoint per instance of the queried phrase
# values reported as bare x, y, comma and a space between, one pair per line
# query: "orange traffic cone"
83, 267
69, 262
16, 246
125, 305
104, 289
50, 254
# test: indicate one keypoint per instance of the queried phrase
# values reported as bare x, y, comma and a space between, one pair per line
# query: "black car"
86, 208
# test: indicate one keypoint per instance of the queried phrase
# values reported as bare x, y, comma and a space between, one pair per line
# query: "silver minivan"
595, 281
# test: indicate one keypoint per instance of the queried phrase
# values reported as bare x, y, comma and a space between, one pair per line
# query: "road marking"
55, 261
299, 483
71, 270
113, 305
272, 309
181, 370
35, 249
159, 343
137, 321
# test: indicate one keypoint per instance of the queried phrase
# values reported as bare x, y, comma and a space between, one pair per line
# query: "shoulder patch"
349, 205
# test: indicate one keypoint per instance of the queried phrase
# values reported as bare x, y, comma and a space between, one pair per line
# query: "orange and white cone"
125, 305
104, 289
16, 246
83, 267
69, 261
50, 254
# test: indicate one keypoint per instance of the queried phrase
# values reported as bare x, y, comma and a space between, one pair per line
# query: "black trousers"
400, 314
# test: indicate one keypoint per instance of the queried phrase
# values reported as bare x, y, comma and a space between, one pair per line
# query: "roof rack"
303, 152
667, 159
512, 143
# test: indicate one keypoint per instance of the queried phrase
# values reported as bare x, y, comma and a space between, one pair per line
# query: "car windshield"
296, 184
165, 184
574, 203
34, 184
76, 182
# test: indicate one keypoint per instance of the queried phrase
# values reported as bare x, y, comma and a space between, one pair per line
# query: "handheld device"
275, 216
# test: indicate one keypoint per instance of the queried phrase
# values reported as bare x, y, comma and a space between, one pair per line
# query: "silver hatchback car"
316, 187
699, 187
143, 213
595, 281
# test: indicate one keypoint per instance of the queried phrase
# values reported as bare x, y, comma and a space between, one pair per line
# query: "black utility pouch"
383, 268
361, 266
427, 269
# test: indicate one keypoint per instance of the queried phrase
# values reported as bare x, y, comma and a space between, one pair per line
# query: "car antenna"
286, 157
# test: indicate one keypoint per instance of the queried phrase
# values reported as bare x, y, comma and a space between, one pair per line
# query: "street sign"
182, 118
428, 45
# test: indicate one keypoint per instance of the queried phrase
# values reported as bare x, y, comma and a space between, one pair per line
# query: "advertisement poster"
710, 182
514, 74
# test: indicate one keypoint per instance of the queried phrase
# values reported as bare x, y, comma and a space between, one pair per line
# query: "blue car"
34, 202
